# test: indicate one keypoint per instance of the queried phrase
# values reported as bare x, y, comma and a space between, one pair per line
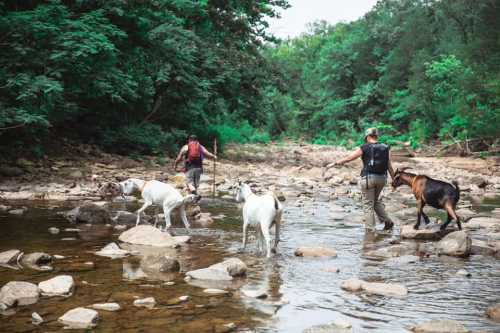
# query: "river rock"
36, 319
440, 326
4, 208
128, 218
493, 312
338, 326
9, 257
397, 250
315, 252
151, 236
148, 302
54, 230
160, 263
79, 318
212, 291
352, 284
89, 213
385, 289
457, 244
36, 259
106, 306
224, 271
482, 247
490, 223
18, 293
112, 250
19, 211
254, 293
434, 233
62, 285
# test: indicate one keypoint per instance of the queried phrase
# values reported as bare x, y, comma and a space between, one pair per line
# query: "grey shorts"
193, 176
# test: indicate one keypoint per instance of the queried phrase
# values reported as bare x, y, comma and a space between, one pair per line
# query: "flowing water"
302, 291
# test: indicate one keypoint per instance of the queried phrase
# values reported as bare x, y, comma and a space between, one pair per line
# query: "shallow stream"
303, 292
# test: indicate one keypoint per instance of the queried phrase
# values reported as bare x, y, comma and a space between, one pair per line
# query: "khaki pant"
193, 178
371, 189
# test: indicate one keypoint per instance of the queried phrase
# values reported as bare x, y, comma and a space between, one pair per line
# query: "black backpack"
376, 158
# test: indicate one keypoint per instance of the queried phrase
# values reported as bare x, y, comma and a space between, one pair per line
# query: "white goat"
262, 212
157, 193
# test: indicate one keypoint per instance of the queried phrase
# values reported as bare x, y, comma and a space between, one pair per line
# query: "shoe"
388, 225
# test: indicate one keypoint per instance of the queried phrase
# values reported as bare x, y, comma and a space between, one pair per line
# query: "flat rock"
9, 257
112, 250
338, 326
224, 271
490, 223
397, 250
385, 289
19, 293
457, 244
148, 302
253, 293
434, 233
17, 211
106, 306
213, 291
315, 252
62, 285
151, 236
352, 284
440, 326
482, 247
54, 230
79, 318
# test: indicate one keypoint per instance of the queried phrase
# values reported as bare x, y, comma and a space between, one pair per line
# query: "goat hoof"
415, 227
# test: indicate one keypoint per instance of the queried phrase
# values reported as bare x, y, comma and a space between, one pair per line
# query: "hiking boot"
197, 198
389, 225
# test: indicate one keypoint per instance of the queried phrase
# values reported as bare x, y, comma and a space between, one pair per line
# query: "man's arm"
351, 157
207, 153
182, 152
390, 168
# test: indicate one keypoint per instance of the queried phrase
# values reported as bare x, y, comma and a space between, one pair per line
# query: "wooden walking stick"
215, 161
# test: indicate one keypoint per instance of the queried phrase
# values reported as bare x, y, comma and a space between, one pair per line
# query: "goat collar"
143, 186
413, 181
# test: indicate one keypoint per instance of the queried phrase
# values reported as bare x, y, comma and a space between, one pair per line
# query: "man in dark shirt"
376, 163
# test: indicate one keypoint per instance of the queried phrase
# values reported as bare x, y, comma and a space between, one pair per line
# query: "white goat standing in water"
261, 211
157, 193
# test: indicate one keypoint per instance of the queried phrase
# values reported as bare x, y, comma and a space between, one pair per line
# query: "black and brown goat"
428, 191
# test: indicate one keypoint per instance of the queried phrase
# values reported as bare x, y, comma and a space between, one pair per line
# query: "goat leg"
419, 214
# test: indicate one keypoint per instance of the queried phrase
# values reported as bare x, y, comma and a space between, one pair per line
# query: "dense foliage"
138, 76
132, 76
420, 69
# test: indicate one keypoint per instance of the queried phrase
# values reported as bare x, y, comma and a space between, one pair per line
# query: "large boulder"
112, 250
493, 312
79, 318
224, 271
315, 252
9, 257
440, 326
151, 236
89, 213
19, 293
457, 244
62, 285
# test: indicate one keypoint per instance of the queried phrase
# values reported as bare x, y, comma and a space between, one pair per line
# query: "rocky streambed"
328, 276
